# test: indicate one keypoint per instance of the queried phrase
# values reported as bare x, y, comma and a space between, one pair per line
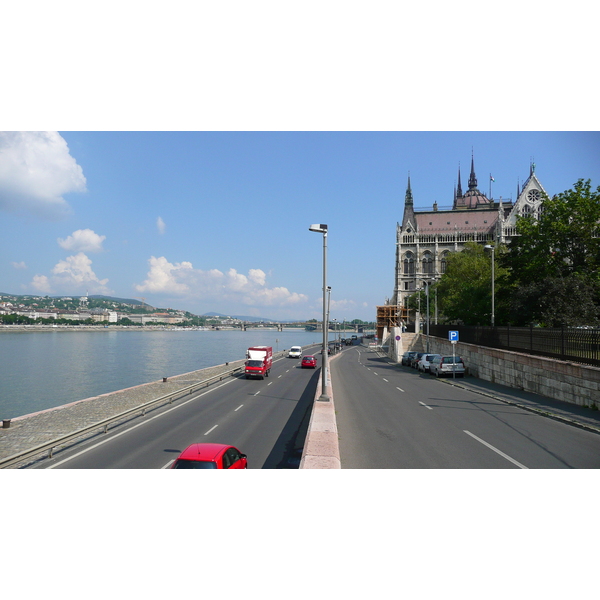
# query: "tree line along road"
393, 417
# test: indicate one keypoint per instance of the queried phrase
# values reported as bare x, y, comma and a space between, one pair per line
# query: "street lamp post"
492, 249
321, 228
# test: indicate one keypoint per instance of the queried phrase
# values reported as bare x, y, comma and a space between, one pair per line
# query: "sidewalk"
29, 431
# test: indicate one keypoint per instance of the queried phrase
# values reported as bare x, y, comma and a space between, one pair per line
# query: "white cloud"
19, 265
71, 275
160, 225
36, 170
166, 277
216, 286
82, 240
41, 284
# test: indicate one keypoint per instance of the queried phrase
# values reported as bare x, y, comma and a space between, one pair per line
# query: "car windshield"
194, 464
255, 363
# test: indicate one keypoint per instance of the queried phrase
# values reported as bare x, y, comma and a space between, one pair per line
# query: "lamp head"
319, 228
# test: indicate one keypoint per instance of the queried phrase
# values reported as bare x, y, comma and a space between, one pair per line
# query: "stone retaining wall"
559, 380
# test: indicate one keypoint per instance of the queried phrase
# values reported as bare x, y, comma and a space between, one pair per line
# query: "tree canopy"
553, 264
465, 290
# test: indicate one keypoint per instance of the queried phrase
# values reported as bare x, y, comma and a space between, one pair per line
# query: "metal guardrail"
49, 446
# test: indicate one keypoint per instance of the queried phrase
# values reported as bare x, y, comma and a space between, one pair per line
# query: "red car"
211, 456
309, 362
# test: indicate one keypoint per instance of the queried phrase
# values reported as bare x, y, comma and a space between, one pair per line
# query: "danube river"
49, 368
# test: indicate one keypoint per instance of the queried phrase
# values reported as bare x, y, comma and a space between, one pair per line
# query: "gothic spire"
408, 199
459, 188
472, 178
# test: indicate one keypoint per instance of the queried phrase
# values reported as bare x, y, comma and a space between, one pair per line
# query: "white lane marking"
400, 389
257, 393
512, 460
425, 405
279, 376
385, 379
211, 429
238, 408
268, 384
116, 435
168, 464
375, 373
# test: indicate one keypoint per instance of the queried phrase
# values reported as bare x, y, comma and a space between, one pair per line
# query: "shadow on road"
284, 454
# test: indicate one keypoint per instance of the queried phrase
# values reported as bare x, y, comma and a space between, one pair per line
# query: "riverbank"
28, 431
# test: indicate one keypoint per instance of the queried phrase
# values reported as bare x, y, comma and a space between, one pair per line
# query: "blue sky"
218, 221
196, 145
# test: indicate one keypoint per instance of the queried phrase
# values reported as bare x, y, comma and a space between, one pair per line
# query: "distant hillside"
121, 300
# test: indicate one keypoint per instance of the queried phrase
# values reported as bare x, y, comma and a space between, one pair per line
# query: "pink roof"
456, 220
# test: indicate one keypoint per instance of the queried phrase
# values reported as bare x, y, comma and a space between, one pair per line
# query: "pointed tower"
458, 194
408, 220
473, 198
472, 178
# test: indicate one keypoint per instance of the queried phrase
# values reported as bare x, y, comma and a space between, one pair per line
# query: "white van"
295, 352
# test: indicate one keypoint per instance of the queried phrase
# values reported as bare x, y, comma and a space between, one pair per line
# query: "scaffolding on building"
388, 316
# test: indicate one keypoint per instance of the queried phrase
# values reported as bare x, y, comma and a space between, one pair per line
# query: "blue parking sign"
453, 336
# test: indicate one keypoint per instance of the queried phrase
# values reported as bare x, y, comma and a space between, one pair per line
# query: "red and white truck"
260, 361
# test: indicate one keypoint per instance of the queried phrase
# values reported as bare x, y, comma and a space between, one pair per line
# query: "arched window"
427, 262
443, 261
409, 263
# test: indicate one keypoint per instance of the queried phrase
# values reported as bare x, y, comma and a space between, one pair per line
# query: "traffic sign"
453, 336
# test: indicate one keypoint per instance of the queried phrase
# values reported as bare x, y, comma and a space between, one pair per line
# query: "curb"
539, 411
321, 447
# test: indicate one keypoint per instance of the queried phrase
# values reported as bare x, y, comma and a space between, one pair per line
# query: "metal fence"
574, 344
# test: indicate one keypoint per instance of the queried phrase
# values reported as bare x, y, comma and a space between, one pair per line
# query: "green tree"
465, 290
554, 263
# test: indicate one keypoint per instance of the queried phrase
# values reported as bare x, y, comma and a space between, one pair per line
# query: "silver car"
424, 363
447, 365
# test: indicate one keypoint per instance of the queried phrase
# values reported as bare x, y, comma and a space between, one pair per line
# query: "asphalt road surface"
263, 418
392, 417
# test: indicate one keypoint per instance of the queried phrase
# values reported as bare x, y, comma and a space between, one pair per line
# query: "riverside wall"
560, 380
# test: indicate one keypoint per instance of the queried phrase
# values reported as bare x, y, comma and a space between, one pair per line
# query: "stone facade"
425, 238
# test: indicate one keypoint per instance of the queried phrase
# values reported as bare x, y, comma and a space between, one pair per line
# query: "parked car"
415, 359
447, 365
309, 362
407, 358
295, 352
211, 456
425, 362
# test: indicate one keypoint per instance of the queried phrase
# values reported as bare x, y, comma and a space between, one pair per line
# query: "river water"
49, 368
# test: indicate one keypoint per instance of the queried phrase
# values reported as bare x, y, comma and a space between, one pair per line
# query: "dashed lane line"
148, 420
512, 460
211, 429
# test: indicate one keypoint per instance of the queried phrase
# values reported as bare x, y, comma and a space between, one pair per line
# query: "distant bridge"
308, 325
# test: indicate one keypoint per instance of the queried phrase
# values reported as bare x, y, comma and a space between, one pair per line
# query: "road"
261, 417
391, 417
